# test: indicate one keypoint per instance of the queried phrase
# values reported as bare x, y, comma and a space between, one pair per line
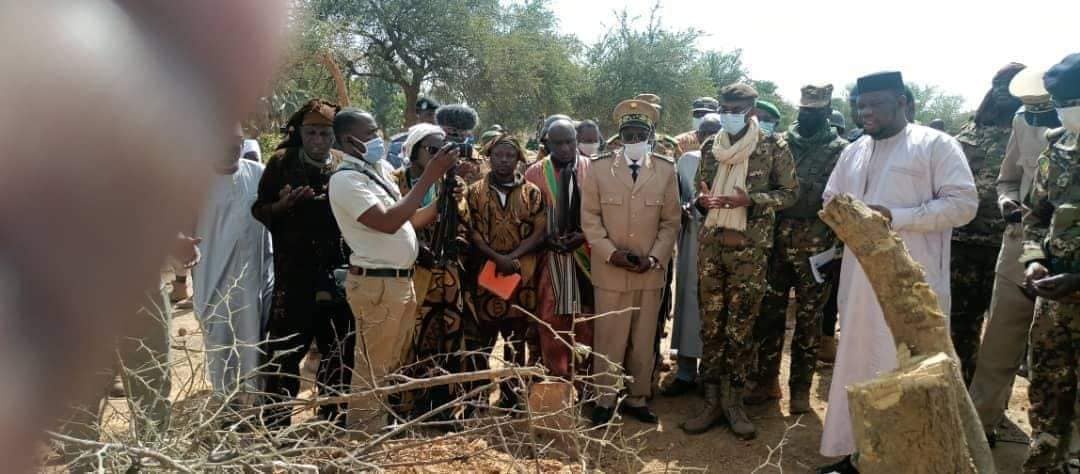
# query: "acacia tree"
408, 43
931, 103
627, 61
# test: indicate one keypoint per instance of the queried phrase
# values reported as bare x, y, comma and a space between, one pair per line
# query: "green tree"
525, 70
408, 43
724, 67
627, 61
931, 103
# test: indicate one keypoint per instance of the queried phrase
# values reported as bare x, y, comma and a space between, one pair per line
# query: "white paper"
819, 260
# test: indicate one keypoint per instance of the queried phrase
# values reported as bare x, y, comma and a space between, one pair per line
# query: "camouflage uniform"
732, 279
799, 235
1052, 236
976, 245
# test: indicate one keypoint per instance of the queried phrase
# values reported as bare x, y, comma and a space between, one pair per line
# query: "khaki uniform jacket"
642, 217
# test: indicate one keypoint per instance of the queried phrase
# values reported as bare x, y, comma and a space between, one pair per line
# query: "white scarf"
730, 174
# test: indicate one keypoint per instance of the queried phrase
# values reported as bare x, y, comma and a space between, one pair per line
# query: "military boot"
800, 401
764, 391
731, 400
710, 415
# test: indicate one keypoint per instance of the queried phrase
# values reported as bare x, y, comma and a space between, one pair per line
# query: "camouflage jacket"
984, 147
770, 182
815, 157
1052, 228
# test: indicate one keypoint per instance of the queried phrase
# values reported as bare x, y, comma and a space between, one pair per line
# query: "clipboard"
501, 286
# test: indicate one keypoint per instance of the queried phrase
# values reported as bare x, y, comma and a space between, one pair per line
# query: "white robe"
234, 279
686, 331
922, 177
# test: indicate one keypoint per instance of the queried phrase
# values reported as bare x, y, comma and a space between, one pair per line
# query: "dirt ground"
665, 448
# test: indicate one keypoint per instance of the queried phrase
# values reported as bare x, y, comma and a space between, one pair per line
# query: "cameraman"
378, 224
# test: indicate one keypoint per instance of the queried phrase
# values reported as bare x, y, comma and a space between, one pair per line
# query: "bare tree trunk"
339, 79
412, 94
921, 331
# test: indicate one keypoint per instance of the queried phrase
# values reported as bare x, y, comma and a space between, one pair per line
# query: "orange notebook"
501, 286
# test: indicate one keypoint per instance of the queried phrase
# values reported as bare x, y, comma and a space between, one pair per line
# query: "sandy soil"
664, 448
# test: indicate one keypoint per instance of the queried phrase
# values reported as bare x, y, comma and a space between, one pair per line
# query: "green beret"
768, 107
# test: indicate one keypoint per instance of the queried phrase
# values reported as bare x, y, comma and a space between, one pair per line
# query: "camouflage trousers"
1054, 371
972, 273
731, 286
790, 268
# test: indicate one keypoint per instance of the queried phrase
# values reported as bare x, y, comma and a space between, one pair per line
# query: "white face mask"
697, 122
1070, 118
637, 151
589, 149
733, 123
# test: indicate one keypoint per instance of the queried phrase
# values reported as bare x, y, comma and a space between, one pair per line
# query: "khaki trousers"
1005, 337
385, 312
625, 341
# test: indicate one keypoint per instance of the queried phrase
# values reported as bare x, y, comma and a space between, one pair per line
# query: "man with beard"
918, 179
306, 305
800, 234
975, 245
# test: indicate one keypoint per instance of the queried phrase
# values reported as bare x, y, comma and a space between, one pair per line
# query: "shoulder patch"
1044, 165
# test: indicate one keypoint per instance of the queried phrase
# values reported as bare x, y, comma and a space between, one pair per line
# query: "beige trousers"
624, 343
1005, 337
385, 312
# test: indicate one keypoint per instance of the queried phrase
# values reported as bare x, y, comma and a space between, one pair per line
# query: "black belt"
380, 272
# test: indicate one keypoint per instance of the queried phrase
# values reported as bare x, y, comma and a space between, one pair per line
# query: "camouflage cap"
1027, 85
705, 104
816, 96
737, 92
635, 113
650, 98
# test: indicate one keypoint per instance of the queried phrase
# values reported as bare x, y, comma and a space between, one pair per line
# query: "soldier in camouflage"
1051, 256
800, 234
744, 178
976, 245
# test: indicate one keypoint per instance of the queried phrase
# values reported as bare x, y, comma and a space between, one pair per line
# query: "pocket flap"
611, 199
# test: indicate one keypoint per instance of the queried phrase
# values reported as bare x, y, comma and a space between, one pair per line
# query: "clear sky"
957, 45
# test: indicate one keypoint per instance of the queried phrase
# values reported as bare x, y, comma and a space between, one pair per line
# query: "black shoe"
842, 467
602, 416
642, 414
679, 387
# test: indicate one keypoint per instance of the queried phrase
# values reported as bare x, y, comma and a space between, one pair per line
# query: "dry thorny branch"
224, 431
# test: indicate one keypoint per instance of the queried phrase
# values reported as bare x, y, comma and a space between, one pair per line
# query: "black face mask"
1042, 119
812, 121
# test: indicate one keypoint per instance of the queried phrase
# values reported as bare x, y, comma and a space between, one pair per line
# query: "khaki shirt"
641, 217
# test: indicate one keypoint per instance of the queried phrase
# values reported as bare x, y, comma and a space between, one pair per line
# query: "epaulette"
606, 154
664, 158
612, 139
779, 139
1054, 134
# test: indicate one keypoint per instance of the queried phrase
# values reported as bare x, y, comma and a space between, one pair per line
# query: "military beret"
816, 96
737, 92
427, 103
705, 104
1062, 80
635, 113
880, 81
650, 98
768, 107
1027, 85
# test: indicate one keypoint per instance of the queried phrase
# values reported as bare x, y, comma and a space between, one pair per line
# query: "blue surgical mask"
733, 123
767, 127
376, 150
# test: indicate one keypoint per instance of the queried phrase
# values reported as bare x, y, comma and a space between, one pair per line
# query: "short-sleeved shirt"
352, 193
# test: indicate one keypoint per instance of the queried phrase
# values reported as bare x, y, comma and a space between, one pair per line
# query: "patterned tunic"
504, 227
